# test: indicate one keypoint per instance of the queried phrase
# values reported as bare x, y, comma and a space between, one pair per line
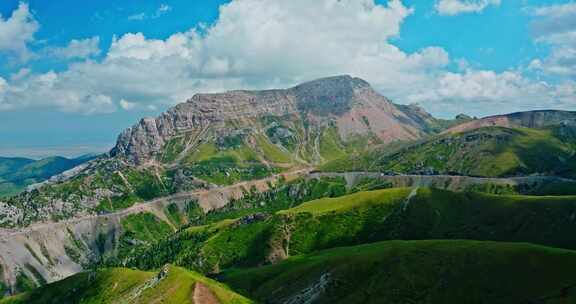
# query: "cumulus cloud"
17, 31
456, 7
487, 92
127, 105
555, 25
83, 48
258, 44
161, 10
253, 44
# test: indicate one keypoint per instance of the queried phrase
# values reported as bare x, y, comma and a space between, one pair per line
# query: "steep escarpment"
48, 252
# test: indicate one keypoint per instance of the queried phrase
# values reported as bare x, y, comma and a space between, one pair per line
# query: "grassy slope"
272, 152
365, 217
415, 272
225, 166
492, 151
119, 285
190, 246
11, 164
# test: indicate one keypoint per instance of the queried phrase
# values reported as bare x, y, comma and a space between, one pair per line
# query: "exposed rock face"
356, 107
530, 119
58, 250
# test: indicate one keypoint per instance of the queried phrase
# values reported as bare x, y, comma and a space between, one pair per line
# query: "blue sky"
73, 76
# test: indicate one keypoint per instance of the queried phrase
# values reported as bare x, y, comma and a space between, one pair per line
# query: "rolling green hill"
416, 272
363, 217
17, 173
488, 152
120, 285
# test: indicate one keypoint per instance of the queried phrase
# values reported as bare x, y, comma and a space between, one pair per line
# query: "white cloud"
18, 31
139, 16
456, 7
555, 25
161, 10
259, 44
127, 105
487, 92
164, 8
84, 48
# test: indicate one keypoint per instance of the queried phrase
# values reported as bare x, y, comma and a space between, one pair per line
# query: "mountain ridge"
356, 107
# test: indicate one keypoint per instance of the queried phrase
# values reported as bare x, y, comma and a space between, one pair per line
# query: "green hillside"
11, 164
363, 217
17, 173
120, 285
416, 272
489, 152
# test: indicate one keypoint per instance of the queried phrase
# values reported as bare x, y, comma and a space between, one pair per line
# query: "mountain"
117, 285
341, 107
18, 173
255, 188
11, 164
225, 138
435, 271
538, 142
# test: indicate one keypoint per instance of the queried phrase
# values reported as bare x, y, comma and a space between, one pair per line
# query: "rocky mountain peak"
350, 102
331, 95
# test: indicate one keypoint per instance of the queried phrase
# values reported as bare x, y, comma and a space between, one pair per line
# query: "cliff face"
350, 102
530, 119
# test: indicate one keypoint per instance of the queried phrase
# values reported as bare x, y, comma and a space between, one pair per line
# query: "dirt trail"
203, 295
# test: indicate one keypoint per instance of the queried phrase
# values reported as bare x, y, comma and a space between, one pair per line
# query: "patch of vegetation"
73, 254
46, 254
185, 248
231, 141
145, 227
279, 197
101, 243
226, 166
36, 257
272, 152
174, 215
78, 244
136, 185
37, 275
330, 144
173, 148
23, 282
